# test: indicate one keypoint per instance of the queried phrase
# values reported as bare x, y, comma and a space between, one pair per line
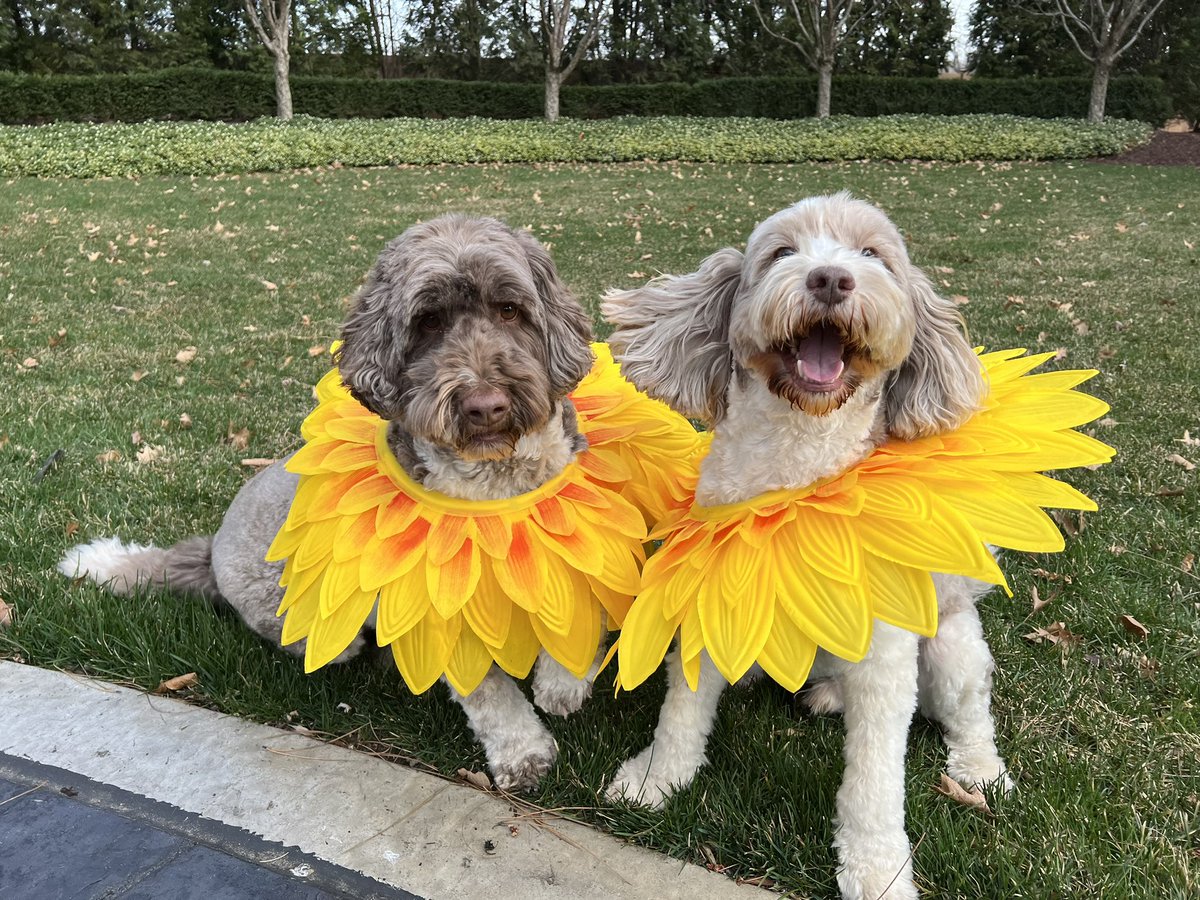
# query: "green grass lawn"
103, 283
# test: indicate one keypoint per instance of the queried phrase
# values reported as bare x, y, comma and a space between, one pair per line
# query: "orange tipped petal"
453, 582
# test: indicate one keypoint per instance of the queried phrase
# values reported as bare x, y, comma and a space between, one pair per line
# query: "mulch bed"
1165, 149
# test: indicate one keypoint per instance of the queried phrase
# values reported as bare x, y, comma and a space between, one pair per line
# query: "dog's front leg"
672, 760
518, 746
880, 695
556, 690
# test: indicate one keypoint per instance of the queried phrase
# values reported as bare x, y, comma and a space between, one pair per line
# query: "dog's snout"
486, 407
830, 284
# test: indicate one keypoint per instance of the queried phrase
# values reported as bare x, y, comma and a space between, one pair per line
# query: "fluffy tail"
185, 568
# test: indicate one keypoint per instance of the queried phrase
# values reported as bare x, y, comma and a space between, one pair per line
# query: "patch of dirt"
1165, 149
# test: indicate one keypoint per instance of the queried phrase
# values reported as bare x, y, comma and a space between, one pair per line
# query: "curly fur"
734, 342
464, 338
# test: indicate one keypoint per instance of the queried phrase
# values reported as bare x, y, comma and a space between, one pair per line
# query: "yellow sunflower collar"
772, 579
462, 584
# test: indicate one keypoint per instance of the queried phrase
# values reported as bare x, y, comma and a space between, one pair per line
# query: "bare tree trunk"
274, 30
553, 84
824, 89
1099, 90
283, 87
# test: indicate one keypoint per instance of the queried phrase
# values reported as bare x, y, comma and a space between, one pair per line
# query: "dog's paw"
561, 696
823, 698
985, 770
519, 763
646, 781
875, 867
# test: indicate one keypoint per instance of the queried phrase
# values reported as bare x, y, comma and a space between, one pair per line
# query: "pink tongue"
820, 356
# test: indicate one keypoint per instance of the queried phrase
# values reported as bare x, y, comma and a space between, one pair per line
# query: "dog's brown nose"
830, 284
485, 407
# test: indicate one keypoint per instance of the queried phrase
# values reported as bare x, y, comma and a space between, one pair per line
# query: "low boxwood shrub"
215, 95
199, 148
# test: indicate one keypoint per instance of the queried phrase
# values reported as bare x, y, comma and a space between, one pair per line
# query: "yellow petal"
521, 573
367, 494
734, 633
834, 614
331, 635
902, 596
1044, 491
468, 664
520, 647
827, 543
452, 582
576, 649
403, 602
338, 585
301, 613
645, 637
488, 612
788, 653
422, 652
446, 537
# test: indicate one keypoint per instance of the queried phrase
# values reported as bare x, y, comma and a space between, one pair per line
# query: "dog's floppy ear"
567, 328
371, 358
940, 383
672, 336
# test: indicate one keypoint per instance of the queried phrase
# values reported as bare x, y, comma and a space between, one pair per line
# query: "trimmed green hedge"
211, 94
199, 148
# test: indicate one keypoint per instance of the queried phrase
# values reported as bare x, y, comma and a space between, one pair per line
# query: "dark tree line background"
499, 40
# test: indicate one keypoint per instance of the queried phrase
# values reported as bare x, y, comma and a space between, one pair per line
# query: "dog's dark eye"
870, 251
508, 311
784, 251
430, 322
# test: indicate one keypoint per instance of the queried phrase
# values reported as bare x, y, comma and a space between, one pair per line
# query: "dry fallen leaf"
1055, 633
960, 300
270, 285
185, 421
109, 456
1187, 464
478, 779
138, 375
30, 363
135, 438
1038, 603
186, 355
1060, 353
149, 453
5, 614
238, 438
316, 350
1187, 562
71, 528
1053, 576
1068, 521
1187, 440
973, 798
177, 684
1134, 627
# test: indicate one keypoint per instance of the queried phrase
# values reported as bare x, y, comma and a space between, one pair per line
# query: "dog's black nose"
830, 284
485, 407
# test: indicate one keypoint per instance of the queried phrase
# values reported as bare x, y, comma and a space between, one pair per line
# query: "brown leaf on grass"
960, 300
57, 338
1134, 627
135, 438
238, 438
149, 453
1107, 422
1081, 327
1068, 521
1053, 576
186, 355
109, 456
1187, 440
1187, 562
5, 614
1186, 464
1121, 227
973, 798
178, 683
316, 350
1055, 633
270, 285
138, 375
478, 779
185, 421
31, 362
1060, 353
1038, 603
71, 528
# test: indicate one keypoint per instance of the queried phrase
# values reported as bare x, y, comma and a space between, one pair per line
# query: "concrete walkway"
200, 804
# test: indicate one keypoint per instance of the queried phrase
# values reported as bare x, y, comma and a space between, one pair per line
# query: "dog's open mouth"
820, 358
816, 370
